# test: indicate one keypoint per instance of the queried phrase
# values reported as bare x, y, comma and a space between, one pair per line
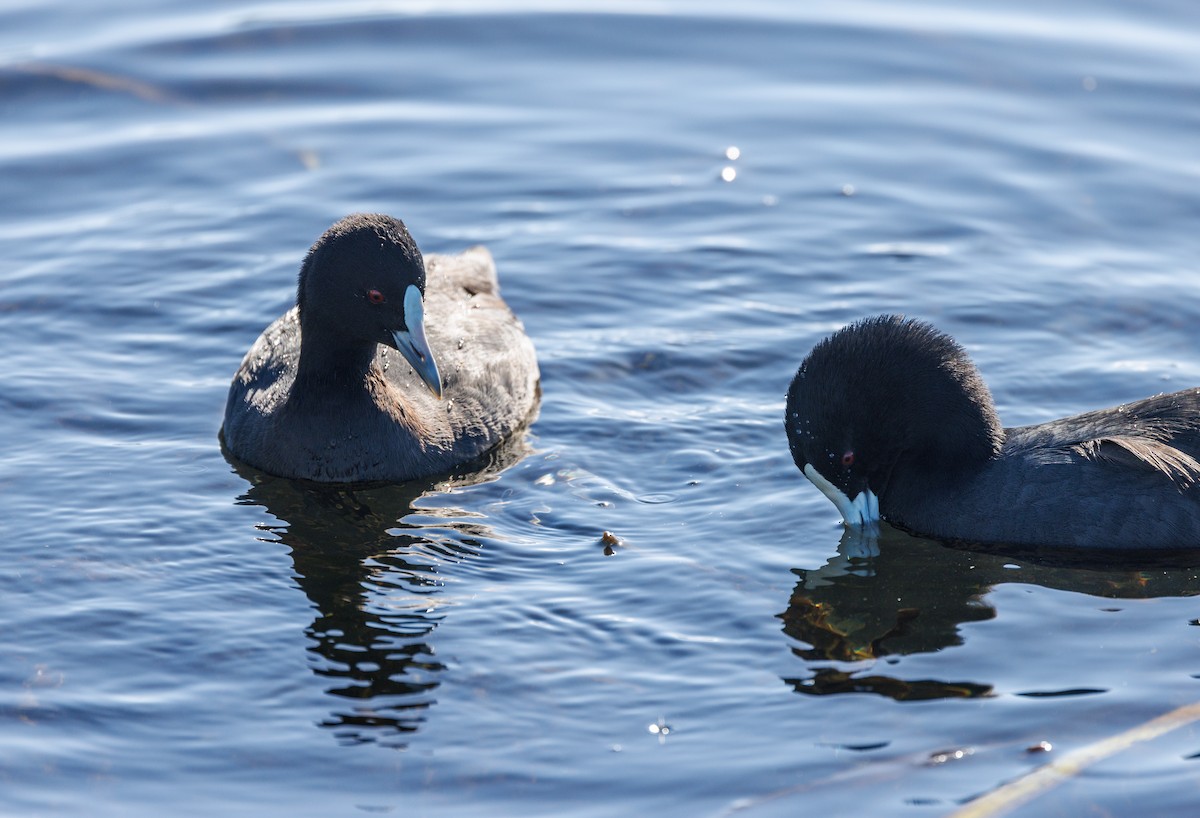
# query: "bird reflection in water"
375, 575
886, 594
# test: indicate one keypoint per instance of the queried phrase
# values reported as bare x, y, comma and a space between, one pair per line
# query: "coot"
389, 367
890, 419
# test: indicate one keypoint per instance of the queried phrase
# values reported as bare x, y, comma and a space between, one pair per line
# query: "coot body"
390, 367
891, 420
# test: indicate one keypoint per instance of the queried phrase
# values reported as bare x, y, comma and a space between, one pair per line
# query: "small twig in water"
1009, 796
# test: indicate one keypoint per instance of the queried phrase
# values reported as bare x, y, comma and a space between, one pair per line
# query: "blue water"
682, 198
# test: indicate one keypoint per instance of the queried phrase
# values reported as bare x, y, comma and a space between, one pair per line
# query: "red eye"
375, 297
848, 458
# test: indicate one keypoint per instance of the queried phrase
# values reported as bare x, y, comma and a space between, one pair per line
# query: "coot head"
883, 397
363, 283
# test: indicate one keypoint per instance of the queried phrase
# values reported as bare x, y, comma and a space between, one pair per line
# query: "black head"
883, 397
363, 283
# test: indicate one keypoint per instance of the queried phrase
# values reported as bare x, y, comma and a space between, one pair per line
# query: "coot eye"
375, 297
848, 458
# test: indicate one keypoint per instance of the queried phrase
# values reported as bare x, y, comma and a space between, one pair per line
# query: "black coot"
889, 418
389, 367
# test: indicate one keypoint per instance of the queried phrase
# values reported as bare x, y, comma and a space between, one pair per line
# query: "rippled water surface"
682, 198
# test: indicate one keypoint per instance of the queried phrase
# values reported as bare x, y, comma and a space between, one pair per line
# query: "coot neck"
914, 479
329, 366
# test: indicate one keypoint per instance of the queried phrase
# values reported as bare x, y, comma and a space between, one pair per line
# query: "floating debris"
97, 79
611, 542
661, 729
946, 756
1009, 796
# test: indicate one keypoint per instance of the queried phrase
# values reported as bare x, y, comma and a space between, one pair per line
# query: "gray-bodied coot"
390, 367
890, 419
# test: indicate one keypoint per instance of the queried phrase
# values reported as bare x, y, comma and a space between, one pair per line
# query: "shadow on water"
377, 582
890, 594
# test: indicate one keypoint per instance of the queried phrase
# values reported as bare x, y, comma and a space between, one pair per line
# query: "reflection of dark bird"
375, 583
889, 595
323, 394
882, 596
890, 419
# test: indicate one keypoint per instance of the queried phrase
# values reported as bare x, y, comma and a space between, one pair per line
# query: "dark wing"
1157, 434
1145, 453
